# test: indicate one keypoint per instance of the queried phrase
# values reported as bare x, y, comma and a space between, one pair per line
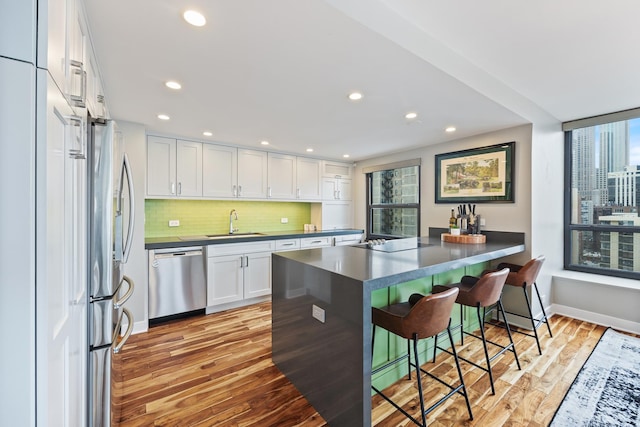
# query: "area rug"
606, 391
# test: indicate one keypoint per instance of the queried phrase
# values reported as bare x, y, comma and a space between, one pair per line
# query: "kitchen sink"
220, 236
231, 236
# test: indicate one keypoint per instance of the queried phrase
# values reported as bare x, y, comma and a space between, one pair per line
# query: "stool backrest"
488, 288
529, 272
430, 315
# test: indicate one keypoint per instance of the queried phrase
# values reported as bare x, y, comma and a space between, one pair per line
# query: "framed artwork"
478, 175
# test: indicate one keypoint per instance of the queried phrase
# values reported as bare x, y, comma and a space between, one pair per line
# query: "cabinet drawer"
240, 248
287, 244
313, 242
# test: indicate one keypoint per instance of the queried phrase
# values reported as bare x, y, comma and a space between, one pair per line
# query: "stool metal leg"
544, 313
419, 379
513, 346
533, 321
455, 357
486, 351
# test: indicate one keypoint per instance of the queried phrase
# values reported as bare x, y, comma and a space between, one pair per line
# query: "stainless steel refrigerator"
111, 213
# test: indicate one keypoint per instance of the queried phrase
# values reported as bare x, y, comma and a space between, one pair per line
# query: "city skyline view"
634, 141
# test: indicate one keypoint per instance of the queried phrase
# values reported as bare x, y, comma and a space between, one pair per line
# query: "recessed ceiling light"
264, 142
309, 150
163, 117
411, 116
194, 18
355, 96
450, 129
346, 156
207, 133
173, 85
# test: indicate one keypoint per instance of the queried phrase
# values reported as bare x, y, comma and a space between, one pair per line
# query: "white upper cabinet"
336, 180
252, 174
161, 166
336, 170
64, 48
174, 168
18, 30
189, 168
336, 189
282, 176
219, 171
308, 183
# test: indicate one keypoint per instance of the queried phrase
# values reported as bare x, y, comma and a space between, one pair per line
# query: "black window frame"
570, 228
371, 206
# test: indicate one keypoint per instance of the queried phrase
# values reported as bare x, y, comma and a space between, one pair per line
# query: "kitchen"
510, 116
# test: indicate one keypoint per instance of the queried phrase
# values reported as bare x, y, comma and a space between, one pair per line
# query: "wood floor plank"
216, 370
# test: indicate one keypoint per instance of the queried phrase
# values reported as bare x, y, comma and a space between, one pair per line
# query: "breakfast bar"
322, 299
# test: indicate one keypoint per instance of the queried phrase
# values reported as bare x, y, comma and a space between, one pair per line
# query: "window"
602, 233
393, 207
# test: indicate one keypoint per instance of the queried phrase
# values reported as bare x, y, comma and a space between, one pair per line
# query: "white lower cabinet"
238, 271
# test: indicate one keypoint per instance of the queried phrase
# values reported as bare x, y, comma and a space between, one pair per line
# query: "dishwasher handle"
177, 254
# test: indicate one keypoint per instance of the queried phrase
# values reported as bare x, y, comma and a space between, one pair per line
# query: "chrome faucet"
231, 215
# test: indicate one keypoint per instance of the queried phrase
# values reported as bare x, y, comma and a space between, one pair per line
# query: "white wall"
136, 268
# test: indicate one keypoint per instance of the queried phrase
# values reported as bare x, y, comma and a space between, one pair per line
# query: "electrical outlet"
317, 313
284, 220
174, 223
483, 222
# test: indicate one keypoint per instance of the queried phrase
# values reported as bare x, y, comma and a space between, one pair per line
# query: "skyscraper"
613, 154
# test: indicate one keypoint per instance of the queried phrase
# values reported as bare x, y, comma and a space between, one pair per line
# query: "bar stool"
425, 317
524, 276
481, 293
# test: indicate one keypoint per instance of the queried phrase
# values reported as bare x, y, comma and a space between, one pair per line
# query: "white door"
344, 189
224, 279
189, 168
61, 300
329, 189
161, 166
219, 171
257, 275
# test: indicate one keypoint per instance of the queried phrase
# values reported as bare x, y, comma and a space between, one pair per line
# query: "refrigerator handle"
117, 303
127, 334
132, 201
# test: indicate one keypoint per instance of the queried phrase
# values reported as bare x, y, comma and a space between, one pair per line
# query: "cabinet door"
61, 297
224, 279
18, 23
189, 168
309, 185
337, 215
219, 171
281, 176
77, 53
52, 43
161, 166
344, 189
252, 174
329, 189
257, 275
336, 169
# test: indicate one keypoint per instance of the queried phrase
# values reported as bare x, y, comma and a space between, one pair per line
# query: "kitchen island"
321, 311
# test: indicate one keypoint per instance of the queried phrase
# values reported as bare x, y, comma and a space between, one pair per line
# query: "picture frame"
477, 175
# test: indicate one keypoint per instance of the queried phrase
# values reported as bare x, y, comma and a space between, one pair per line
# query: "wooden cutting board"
463, 238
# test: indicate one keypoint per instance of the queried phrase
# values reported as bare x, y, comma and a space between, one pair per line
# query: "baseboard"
597, 318
140, 327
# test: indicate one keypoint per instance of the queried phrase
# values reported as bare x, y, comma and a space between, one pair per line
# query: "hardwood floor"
216, 370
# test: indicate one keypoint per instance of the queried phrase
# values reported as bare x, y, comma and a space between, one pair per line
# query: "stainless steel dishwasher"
177, 281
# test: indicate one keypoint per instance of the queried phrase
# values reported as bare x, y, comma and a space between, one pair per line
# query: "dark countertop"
377, 269
201, 240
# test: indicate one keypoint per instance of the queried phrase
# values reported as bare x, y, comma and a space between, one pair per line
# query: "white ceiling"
281, 70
